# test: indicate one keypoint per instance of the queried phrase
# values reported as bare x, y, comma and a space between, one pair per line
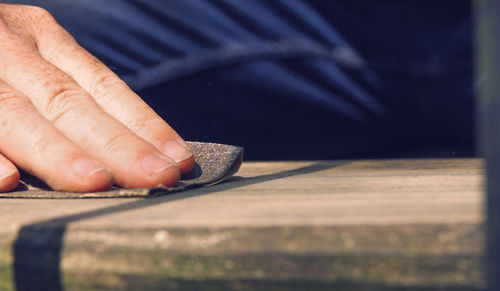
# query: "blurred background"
294, 79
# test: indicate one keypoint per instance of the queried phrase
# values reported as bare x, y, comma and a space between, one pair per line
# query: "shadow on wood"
37, 249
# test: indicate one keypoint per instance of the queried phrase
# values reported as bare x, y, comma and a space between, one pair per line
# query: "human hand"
69, 120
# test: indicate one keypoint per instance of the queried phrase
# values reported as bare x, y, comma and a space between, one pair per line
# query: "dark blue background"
412, 97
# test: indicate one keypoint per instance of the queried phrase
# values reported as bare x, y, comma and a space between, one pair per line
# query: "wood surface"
316, 225
487, 60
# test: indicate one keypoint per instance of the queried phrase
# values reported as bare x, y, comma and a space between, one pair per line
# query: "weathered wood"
488, 72
348, 225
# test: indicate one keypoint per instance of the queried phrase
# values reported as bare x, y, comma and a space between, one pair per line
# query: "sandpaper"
214, 164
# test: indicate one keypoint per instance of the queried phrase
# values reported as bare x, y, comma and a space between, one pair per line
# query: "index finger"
134, 162
112, 94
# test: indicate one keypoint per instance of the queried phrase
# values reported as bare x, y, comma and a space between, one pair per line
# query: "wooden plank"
391, 225
488, 100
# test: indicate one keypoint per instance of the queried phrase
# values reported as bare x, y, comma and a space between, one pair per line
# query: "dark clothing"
293, 79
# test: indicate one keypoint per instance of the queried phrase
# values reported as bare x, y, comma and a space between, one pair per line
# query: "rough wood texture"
488, 71
343, 225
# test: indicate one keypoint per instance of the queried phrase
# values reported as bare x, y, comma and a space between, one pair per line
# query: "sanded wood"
318, 225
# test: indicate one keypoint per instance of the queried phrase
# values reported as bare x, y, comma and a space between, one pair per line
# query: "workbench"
312, 225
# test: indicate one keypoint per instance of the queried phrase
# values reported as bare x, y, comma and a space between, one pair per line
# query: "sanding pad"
214, 164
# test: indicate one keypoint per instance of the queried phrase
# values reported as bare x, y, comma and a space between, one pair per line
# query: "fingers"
9, 175
133, 161
112, 94
32, 143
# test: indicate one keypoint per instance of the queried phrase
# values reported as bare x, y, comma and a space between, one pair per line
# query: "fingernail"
154, 164
6, 172
177, 151
86, 168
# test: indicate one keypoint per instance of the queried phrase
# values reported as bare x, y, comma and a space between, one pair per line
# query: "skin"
69, 120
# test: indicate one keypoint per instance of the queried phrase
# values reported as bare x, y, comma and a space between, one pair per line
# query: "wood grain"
312, 225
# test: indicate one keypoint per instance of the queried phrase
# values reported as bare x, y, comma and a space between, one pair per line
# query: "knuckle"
43, 144
143, 121
9, 97
117, 141
14, 29
38, 13
61, 102
105, 85
11, 103
43, 23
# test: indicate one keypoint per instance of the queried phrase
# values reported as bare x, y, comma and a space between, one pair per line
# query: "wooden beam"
488, 75
348, 225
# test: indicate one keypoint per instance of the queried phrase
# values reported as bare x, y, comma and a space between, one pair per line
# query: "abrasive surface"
214, 164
